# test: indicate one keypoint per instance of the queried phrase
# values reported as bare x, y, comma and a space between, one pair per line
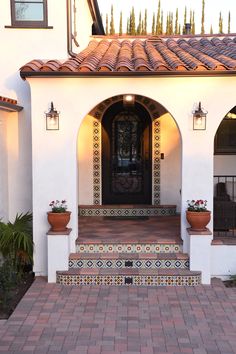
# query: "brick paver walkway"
129, 320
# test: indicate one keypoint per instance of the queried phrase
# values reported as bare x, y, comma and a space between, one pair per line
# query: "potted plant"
59, 217
197, 214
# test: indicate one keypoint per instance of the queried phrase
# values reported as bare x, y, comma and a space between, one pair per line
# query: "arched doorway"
126, 155
225, 176
160, 134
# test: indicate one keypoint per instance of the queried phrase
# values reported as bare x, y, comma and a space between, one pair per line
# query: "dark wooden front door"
126, 155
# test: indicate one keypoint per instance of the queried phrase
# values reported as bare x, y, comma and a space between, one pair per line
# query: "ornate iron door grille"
127, 164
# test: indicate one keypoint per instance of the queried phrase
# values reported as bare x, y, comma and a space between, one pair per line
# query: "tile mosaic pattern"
96, 162
156, 168
97, 113
128, 248
116, 211
129, 263
150, 54
138, 280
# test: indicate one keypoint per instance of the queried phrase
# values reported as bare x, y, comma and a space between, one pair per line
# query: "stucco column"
58, 253
200, 253
197, 174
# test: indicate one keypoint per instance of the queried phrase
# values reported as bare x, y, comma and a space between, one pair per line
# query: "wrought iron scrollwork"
127, 153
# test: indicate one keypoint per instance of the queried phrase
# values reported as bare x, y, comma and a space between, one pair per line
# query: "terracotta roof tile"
51, 65
7, 100
33, 65
205, 46
155, 58
170, 57
207, 61
186, 57
151, 54
124, 61
110, 58
93, 59
141, 62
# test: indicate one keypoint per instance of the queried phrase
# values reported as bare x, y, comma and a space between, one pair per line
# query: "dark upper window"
29, 13
225, 139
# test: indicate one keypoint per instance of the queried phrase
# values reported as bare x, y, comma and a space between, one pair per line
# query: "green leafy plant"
16, 241
8, 280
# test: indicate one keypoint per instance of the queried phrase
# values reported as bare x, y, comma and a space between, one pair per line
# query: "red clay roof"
149, 55
7, 100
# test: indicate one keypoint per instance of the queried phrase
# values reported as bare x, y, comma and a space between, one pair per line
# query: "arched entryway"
164, 152
225, 177
129, 192
126, 155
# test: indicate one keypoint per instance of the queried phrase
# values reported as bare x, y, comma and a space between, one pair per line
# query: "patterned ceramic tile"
130, 263
137, 280
159, 211
128, 248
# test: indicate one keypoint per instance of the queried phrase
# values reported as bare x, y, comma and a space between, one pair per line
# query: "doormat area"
140, 218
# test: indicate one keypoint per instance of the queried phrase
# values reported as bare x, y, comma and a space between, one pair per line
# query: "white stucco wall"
171, 165
85, 161
76, 97
83, 24
223, 263
20, 45
4, 165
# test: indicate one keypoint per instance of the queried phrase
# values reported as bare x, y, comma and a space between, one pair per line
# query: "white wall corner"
223, 261
58, 254
200, 253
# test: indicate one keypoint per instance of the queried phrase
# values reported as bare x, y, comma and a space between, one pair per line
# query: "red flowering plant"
58, 207
197, 205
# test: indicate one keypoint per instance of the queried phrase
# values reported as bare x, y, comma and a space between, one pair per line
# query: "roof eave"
10, 107
100, 74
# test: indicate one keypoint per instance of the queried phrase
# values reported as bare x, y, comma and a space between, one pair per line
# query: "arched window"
225, 139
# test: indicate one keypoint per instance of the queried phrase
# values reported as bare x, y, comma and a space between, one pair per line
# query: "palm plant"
16, 240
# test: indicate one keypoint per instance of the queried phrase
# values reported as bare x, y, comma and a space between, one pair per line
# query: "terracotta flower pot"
58, 221
198, 220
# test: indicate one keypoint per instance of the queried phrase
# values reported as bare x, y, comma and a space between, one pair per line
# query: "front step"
129, 260
153, 264
127, 210
137, 277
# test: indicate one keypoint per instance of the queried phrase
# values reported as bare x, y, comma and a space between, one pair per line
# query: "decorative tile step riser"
127, 212
128, 248
136, 280
137, 264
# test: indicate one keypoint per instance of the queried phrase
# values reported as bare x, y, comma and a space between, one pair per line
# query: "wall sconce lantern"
52, 118
128, 100
199, 118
